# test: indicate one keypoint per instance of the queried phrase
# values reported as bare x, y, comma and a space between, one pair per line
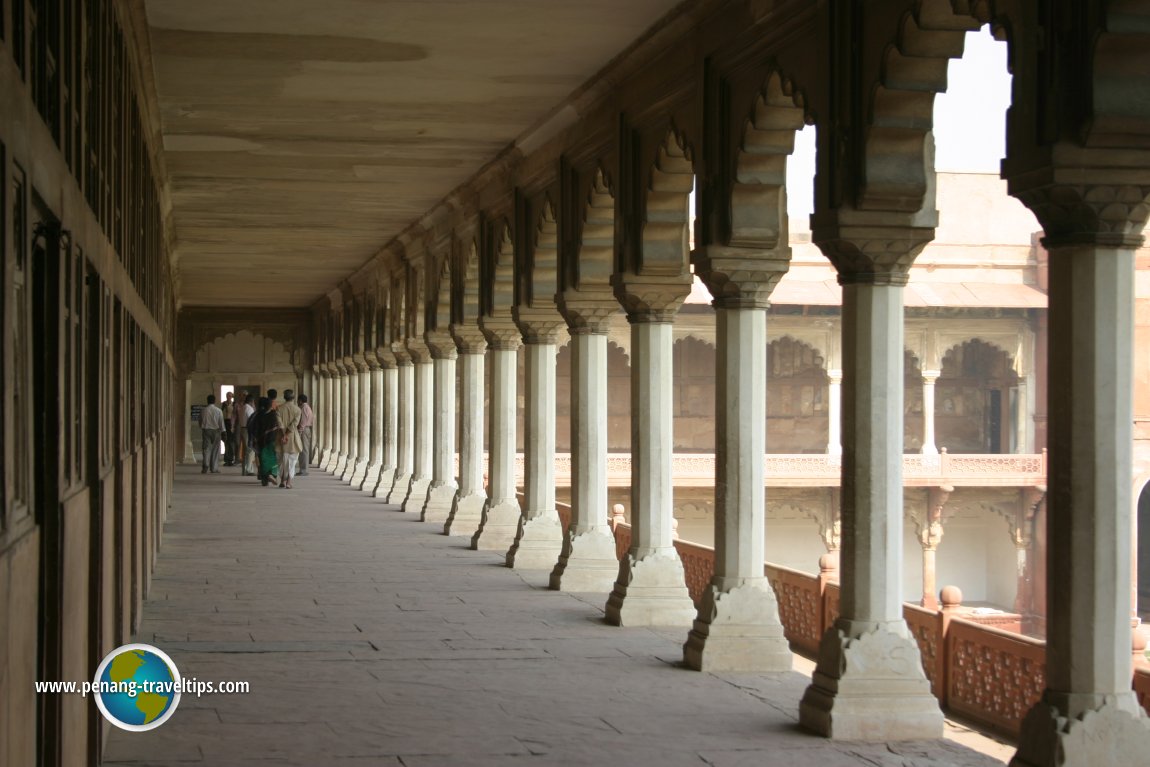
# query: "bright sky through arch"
969, 121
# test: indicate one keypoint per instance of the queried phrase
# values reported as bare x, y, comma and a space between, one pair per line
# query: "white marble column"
441, 492
651, 588
835, 412
363, 423
587, 561
405, 429
869, 683
1089, 714
189, 448
339, 421
928, 380
540, 537
390, 424
323, 420
423, 424
737, 627
501, 514
352, 420
375, 458
467, 508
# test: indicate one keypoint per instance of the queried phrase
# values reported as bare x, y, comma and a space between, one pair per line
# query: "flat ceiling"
300, 137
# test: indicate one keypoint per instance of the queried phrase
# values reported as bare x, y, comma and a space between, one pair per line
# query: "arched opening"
797, 397
693, 396
912, 421
974, 402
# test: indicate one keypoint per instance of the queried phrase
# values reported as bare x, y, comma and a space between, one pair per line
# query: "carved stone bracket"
386, 357
419, 351
653, 298
359, 362
538, 326
501, 333
587, 312
401, 353
874, 249
441, 344
469, 339
742, 278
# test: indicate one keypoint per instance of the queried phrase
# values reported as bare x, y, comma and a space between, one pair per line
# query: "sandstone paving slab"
369, 638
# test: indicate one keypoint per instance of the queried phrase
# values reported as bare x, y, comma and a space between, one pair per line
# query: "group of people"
269, 439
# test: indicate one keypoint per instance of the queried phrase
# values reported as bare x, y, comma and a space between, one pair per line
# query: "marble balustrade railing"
820, 470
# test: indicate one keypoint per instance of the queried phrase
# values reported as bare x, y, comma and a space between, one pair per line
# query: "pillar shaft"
835, 412
405, 437
351, 424
389, 422
1088, 506
325, 411
375, 449
928, 379
540, 537
441, 491
467, 507
587, 561
500, 521
738, 627
869, 683
650, 589
423, 426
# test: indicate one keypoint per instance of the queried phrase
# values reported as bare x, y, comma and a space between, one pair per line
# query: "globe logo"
137, 687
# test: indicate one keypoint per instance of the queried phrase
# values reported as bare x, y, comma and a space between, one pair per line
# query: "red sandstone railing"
976, 670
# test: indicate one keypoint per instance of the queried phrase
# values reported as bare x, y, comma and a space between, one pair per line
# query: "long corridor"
369, 639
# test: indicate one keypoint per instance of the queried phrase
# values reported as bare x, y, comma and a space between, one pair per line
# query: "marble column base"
587, 563
358, 474
651, 591
738, 630
1116, 733
383, 484
437, 507
466, 514
337, 468
416, 494
498, 528
538, 544
398, 492
370, 478
871, 688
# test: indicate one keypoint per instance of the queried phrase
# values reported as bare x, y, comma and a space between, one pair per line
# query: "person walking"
229, 411
267, 428
306, 421
212, 426
252, 460
288, 417
244, 411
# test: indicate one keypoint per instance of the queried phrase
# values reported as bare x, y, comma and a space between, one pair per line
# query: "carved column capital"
501, 333
742, 278
652, 298
469, 339
385, 356
441, 344
400, 352
419, 351
872, 248
360, 363
372, 360
340, 366
585, 312
538, 326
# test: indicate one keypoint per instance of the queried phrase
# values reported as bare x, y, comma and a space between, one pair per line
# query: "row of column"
869, 681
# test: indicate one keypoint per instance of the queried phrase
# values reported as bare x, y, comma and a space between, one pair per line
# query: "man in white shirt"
212, 426
244, 411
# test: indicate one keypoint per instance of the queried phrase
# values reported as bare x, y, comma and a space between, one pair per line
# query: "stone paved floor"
369, 639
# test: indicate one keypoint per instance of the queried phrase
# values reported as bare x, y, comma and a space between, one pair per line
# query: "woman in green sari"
269, 435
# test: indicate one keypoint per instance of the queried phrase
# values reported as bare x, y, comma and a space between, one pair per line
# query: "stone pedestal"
869, 683
423, 423
390, 421
441, 492
737, 627
650, 589
1089, 714
587, 561
467, 507
540, 537
405, 430
501, 515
